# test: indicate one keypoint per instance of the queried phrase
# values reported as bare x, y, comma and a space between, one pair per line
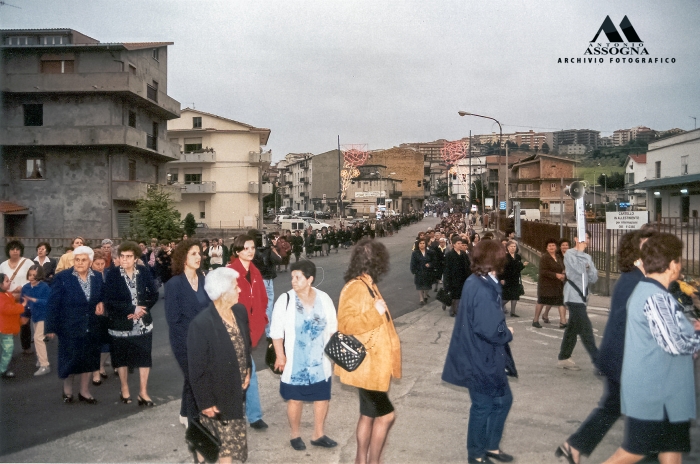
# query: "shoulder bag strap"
19, 266
578, 290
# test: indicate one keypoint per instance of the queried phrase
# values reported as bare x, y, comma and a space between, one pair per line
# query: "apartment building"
219, 169
586, 137
537, 181
374, 187
534, 140
407, 166
311, 182
83, 131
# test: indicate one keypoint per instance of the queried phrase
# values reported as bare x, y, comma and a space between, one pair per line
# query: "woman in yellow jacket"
66, 261
363, 313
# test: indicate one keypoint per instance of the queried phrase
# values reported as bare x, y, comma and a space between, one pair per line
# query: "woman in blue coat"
185, 298
479, 357
422, 264
74, 303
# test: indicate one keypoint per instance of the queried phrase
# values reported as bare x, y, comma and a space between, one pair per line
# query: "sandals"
545, 320
564, 450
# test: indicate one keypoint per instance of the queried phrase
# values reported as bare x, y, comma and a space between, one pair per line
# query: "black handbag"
270, 353
443, 296
346, 351
200, 439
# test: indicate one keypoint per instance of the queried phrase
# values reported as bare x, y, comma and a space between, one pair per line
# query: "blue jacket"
41, 292
68, 313
181, 307
609, 359
479, 356
117, 297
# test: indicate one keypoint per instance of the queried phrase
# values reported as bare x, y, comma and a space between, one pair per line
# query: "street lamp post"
500, 143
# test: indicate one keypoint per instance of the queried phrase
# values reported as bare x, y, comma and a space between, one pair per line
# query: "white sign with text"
626, 220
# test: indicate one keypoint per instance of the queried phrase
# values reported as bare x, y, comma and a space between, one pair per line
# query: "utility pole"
507, 190
470, 171
561, 209
340, 184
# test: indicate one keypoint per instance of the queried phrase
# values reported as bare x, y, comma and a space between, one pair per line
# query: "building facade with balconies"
537, 182
82, 130
219, 169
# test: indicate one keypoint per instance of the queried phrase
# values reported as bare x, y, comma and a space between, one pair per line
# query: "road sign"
502, 205
626, 220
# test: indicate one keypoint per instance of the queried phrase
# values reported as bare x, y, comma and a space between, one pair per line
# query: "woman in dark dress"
74, 304
130, 293
422, 263
550, 284
43, 250
511, 279
185, 297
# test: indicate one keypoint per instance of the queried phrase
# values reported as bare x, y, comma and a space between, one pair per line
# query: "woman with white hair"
219, 364
74, 303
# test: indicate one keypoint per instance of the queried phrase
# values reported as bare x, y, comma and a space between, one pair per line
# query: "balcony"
63, 136
253, 188
137, 190
304, 180
526, 194
259, 158
196, 187
116, 82
194, 157
303, 194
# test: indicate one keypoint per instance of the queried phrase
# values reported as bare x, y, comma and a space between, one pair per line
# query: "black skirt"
374, 403
647, 437
132, 351
78, 355
551, 300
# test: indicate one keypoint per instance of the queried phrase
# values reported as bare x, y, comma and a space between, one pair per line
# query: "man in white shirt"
216, 253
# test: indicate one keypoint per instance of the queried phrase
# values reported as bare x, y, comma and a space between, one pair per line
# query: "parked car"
315, 224
281, 217
202, 225
322, 214
306, 214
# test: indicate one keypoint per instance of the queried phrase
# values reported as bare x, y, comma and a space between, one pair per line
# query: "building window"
152, 91
132, 169
202, 206
193, 144
553, 187
193, 178
155, 54
34, 114
18, 40
33, 168
57, 66
630, 178
173, 176
132, 118
55, 40
684, 165
152, 138
132, 69
657, 169
157, 172
197, 122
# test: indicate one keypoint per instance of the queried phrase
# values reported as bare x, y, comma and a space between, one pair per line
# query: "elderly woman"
510, 278
657, 382
129, 295
66, 260
422, 263
43, 250
479, 358
185, 298
362, 312
219, 363
303, 321
74, 303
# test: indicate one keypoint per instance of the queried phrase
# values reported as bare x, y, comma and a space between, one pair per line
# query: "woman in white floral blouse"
129, 295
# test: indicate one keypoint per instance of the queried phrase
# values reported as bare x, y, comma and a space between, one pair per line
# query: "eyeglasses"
129, 256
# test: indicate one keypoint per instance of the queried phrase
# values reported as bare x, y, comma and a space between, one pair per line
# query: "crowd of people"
219, 302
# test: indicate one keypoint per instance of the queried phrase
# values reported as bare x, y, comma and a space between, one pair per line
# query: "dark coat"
511, 277
49, 269
117, 298
213, 365
457, 271
423, 275
609, 359
479, 355
547, 284
181, 307
439, 256
297, 244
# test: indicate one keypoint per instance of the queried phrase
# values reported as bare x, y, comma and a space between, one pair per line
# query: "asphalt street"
31, 408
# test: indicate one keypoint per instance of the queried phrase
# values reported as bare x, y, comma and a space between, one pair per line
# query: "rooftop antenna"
691, 117
193, 106
9, 4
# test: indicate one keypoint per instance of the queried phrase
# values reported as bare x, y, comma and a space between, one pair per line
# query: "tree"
476, 194
545, 148
441, 189
525, 146
155, 216
190, 225
614, 181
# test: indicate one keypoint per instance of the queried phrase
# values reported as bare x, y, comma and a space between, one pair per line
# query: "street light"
500, 143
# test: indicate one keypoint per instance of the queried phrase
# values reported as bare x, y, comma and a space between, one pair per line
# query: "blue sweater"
41, 292
478, 355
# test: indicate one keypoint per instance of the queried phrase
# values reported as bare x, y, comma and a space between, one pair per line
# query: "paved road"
31, 408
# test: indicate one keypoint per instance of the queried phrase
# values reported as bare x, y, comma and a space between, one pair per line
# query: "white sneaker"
568, 364
42, 371
184, 421
38, 364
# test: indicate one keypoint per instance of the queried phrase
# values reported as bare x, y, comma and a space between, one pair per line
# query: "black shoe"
500, 456
324, 442
261, 425
126, 400
96, 383
565, 452
67, 398
298, 444
104, 375
563, 326
8, 375
537, 325
482, 460
87, 400
147, 403
514, 315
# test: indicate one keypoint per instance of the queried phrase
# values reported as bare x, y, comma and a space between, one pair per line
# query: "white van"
302, 224
528, 214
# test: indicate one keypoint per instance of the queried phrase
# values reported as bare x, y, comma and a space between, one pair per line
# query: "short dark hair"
551, 240
179, 256
204, 240
308, 268
143, 241
628, 251
659, 251
130, 246
487, 236
273, 235
98, 253
40, 274
239, 243
45, 245
563, 240
456, 238
14, 245
368, 257
488, 256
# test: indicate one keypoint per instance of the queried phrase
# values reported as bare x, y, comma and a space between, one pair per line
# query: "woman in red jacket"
254, 297
9, 325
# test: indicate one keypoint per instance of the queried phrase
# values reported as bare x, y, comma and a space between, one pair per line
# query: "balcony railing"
196, 187
137, 190
151, 142
259, 158
253, 188
209, 157
526, 194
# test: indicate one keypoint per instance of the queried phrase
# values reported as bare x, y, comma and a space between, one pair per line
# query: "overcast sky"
383, 72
